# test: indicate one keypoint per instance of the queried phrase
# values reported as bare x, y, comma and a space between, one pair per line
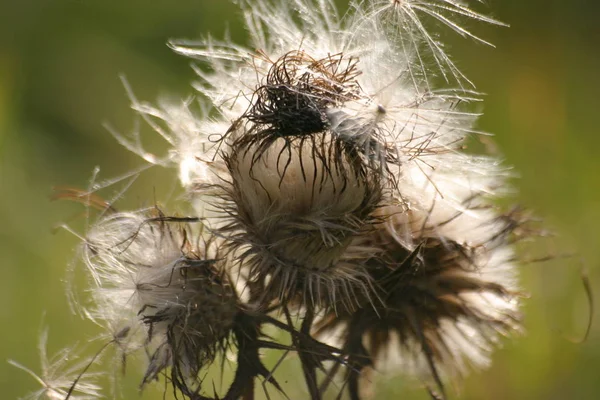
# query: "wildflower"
431, 256
329, 183
61, 377
154, 271
298, 190
158, 275
444, 303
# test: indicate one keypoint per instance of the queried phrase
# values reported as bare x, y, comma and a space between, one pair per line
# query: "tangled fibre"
337, 219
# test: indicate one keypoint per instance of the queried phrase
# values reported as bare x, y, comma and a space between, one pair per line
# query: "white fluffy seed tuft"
62, 375
328, 175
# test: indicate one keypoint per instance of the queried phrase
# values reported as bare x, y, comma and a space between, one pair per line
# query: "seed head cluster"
333, 203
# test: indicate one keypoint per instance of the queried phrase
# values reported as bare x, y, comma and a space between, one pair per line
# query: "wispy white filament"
329, 171
59, 373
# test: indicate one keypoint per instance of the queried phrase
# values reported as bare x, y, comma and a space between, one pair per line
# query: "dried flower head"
346, 185
299, 190
330, 185
444, 303
160, 273
294, 213
434, 201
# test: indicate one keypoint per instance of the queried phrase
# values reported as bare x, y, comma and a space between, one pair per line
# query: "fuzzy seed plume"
161, 273
295, 207
333, 202
433, 226
412, 27
58, 374
444, 303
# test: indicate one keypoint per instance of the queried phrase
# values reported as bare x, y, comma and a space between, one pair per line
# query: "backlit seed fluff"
299, 190
282, 107
332, 201
446, 297
58, 374
161, 275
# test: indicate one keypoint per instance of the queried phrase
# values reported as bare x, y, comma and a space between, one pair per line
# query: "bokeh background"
60, 62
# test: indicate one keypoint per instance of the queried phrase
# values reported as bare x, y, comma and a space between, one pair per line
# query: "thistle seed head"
299, 190
331, 182
295, 206
443, 304
162, 272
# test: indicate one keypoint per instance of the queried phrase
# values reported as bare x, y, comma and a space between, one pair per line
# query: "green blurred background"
59, 67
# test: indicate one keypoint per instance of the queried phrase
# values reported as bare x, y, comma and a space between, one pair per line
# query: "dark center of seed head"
288, 110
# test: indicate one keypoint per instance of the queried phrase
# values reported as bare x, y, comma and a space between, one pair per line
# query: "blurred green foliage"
60, 62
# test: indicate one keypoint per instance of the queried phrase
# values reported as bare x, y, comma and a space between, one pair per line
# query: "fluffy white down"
137, 269
426, 127
439, 189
